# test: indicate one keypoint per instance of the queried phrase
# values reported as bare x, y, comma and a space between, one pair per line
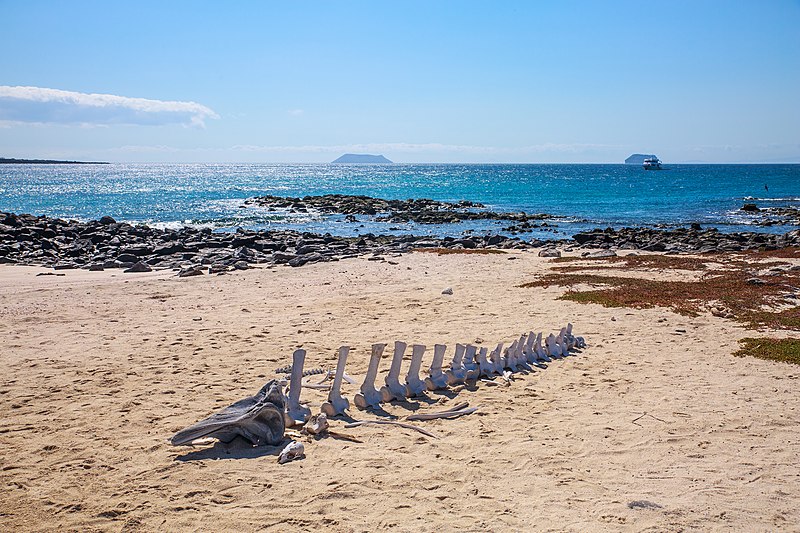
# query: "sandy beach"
655, 426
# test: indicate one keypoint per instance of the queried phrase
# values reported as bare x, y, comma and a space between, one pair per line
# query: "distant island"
361, 158
12, 161
638, 159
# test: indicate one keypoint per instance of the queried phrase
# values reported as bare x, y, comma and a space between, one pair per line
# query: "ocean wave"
787, 199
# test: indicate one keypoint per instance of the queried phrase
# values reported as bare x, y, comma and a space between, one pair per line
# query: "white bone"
563, 342
394, 390
414, 385
337, 404
570, 336
541, 354
553, 348
436, 378
369, 395
317, 424
485, 367
293, 450
458, 372
511, 357
296, 414
520, 360
497, 359
471, 366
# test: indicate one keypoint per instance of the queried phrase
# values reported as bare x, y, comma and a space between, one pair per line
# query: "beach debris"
458, 372
296, 414
644, 504
448, 290
258, 419
317, 424
369, 396
337, 404
391, 423
454, 412
294, 450
394, 390
507, 376
436, 378
414, 385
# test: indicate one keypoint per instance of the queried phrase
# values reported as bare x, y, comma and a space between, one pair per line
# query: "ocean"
582, 196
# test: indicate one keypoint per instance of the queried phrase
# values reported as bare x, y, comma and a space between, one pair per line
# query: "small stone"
549, 252
448, 290
141, 266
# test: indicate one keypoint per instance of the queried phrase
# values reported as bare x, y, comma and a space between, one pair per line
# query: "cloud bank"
37, 105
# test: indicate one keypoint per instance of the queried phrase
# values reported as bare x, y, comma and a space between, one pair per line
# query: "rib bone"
337, 404
437, 379
369, 395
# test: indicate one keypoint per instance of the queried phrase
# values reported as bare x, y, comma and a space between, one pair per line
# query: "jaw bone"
394, 390
436, 378
458, 372
259, 419
337, 404
296, 414
369, 395
414, 385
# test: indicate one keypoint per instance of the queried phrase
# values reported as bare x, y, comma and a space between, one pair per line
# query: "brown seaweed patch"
735, 293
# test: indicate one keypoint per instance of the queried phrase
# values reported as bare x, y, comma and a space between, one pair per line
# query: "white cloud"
37, 105
295, 112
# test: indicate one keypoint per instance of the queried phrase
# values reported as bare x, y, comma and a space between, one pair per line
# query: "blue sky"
428, 81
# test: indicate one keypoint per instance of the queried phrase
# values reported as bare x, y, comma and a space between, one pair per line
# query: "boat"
652, 163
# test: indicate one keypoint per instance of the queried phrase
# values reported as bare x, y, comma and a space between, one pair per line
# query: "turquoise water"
587, 196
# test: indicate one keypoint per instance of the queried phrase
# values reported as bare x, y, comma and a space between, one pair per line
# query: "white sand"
100, 369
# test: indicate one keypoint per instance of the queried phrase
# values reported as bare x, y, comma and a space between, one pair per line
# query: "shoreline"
654, 425
101, 244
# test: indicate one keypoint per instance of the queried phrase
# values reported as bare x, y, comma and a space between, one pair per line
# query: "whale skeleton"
263, 417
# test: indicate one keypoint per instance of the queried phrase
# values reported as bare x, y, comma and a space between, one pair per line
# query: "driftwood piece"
393, 423
259, 419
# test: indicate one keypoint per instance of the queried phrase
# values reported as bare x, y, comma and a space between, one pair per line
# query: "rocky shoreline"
105, 243
420, 210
